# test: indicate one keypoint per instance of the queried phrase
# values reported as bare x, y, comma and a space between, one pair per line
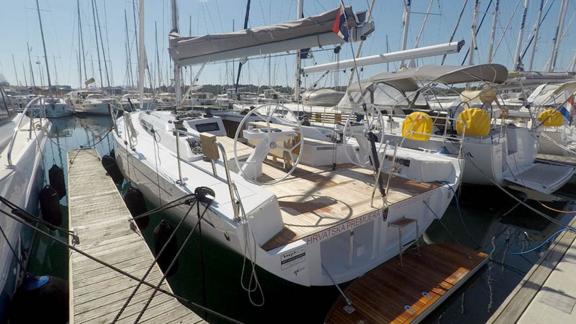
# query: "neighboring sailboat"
495, 151
22, 140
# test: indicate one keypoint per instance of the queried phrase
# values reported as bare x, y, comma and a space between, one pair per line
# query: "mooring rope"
157, 287
156, 258
106, 264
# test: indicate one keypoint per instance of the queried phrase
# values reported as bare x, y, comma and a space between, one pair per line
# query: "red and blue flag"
340, 25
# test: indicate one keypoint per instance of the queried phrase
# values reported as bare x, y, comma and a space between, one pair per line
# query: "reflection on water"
210, 274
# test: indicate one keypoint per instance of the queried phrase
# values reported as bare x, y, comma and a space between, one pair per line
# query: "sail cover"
314, 31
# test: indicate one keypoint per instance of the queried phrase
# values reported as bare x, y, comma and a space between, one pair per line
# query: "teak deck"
313, 199
393, 293
102, 221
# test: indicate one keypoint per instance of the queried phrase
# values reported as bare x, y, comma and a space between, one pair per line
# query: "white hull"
348, 250
99, 108
21, 185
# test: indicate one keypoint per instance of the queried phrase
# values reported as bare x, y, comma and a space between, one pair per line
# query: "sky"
19, 26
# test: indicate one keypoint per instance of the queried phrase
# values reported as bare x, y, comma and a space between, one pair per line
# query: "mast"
557, 36
572, 67
473, 45
81, 43
130, 76
405, 26
298, 76
43, 45
30, 66
55, 70
135, 30
15, 72
536, 32
177, 89
141, 67
102, 45
24, 73
493, 32
97, 46
246, 17
421, 32
158, 70
518, 66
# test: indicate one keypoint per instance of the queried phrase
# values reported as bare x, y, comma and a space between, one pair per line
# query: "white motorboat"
22, 140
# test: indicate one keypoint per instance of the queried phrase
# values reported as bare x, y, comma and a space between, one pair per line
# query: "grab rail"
13, 139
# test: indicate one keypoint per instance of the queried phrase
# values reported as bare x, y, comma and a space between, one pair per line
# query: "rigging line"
26, 216
200, 218
156, 258
477, 31
507, 26
455, 28
104, 263
532, 36
20, 261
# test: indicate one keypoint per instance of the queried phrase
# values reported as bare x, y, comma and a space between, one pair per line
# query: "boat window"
206, 127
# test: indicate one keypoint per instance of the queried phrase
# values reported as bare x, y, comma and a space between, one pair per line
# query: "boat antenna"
246, 17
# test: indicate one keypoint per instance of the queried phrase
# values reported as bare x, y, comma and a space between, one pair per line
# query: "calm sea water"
210, 275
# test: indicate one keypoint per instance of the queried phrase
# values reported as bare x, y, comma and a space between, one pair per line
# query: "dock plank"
103, 223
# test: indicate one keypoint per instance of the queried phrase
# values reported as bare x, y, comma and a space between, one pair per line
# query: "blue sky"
19, 24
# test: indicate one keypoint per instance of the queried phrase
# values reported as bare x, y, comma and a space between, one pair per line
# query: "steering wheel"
288, 148
371, 115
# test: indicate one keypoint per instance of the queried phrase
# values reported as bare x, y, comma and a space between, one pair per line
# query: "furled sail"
314, 31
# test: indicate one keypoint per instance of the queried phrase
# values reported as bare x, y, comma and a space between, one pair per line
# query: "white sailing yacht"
312, 224
22, 140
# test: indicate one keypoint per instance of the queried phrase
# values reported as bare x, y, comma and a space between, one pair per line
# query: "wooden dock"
102, 221
547, 293
395, 293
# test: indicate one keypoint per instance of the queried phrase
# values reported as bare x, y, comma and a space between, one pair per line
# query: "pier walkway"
547, 294
103, 223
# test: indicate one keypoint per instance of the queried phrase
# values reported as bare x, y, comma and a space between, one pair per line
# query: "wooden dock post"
100, 218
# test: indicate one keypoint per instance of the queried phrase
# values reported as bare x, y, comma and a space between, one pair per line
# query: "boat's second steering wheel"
290, 150
372, 121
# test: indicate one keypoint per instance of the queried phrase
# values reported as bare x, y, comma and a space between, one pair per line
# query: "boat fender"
112, 153
56, 177
135, 202
41, 299
161, 234
50, 206
111, 167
